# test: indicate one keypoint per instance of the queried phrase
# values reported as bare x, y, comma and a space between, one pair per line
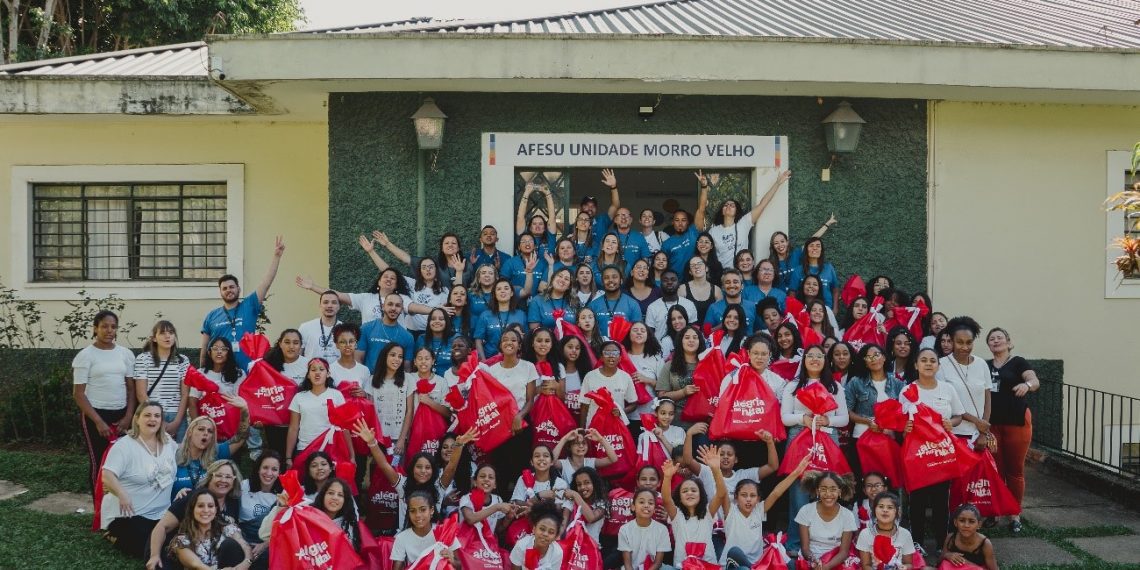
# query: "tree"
38, 29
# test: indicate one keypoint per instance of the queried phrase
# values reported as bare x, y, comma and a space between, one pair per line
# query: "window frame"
1119, 162
24, 178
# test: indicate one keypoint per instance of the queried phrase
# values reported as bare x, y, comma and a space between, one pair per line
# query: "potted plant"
1128, 201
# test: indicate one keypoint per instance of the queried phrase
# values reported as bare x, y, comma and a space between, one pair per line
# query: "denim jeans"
735, 558
168, 417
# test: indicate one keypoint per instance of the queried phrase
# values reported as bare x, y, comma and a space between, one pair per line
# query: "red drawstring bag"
332, 441
851, 563
383, 507
376, 552
809, 336
579, 550
650, 450
853, 289
932, 455
753, 407
97, 524
619, 329
563, 329
367, 411
445, 533
304, 538
253, 345
787, 368
881, 453
478, 548
428, 425
824, 452
816, 398
489, 406
884, 553
213, 405
694, 558
983, 487
889, 415
792, 307
621, 511
551, 420
710, 370
268, 394
775, 556
616, 432
867, 329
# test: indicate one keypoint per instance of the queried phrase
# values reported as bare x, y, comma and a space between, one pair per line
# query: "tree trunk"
45, 27
13, 30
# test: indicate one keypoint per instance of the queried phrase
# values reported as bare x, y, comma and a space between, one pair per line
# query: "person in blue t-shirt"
813, 263
786, 258
480, 294
377, 334
633, 244
488, 253
589, 205
732, 282
557, 296
764, 285
526, 270
614, 302
200, 447
680, 246
500, 314
437, 339
538, 226
238, 316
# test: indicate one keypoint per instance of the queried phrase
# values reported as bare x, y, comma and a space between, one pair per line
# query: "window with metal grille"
120, 232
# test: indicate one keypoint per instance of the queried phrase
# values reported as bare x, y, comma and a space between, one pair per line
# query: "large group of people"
172, 493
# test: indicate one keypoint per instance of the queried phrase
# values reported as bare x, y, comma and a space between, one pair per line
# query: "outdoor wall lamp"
429, 120
842, 128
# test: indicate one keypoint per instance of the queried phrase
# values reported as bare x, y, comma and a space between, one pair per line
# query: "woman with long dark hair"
698, 288
675, 379
902, 350
734, 325
389, 392
732, 224
521, 379
452, 267
868, 384
558, 296
944, 400
813, 370
500, 314
437, 339
371, 303
640, 287
258, 496
205, 540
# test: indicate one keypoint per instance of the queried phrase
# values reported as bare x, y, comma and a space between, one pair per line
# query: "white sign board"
504, 152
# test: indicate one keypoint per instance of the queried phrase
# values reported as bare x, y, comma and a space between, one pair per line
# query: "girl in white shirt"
643, 541
609, 376
886, 522
689, 509
546, 520
826, 527
579, 447
308, 412
418, 538
346, 368
645, 353
389, 392
744, 518
587, 494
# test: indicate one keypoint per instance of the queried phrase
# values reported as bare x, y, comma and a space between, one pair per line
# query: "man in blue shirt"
488, 254
589, 205
377, 333
238, 316
680, 246
614, 302
633, 244
733, 284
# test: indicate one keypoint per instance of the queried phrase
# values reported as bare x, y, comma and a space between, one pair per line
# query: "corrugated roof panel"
1066, 23
179, 60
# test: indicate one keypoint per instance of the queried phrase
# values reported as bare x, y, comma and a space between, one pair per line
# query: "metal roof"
1046, 23
178, 60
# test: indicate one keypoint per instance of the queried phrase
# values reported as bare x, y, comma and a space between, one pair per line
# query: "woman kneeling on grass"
137, 475
205, 540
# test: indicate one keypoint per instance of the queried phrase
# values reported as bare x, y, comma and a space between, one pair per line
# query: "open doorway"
662, 190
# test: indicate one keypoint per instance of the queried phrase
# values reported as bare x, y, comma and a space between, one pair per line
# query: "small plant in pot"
1128, 202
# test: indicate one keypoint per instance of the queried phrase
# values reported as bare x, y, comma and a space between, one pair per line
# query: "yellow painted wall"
286, 192
1018, 232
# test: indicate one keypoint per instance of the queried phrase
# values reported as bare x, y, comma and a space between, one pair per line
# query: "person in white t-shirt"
545, 520
345, 368
101, 374
643, 540
731, 224
826, 527
308, 412
970, 377
317, 339
370, 304
690, 510
885, 508
418, 538
744, 517
609, 376
521, 379
137, 476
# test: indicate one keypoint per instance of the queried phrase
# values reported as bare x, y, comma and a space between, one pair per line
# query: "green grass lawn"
39, 541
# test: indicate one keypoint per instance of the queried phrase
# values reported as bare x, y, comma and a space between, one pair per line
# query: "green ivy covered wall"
878, 193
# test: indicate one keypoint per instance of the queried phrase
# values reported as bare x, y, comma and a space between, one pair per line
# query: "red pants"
1013, 445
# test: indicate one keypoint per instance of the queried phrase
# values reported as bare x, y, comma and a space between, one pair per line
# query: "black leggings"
937, 499
274, 437
510, 459
96, 444
131, 535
